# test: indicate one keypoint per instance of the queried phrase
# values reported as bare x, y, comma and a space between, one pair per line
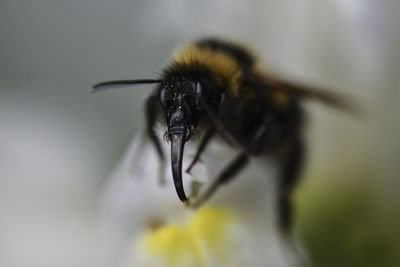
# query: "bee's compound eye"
164, 98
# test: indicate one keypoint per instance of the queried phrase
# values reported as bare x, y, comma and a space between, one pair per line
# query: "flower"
236, 227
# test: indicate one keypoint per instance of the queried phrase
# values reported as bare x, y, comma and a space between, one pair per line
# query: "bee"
216, 87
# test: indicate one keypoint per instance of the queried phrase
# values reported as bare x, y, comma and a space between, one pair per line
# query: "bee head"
181, 101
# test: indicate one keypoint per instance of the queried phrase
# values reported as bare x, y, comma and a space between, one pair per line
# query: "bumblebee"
216, 87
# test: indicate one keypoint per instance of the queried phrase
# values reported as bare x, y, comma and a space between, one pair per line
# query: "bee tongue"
177, 145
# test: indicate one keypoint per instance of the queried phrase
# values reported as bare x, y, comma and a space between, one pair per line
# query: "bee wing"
294, 90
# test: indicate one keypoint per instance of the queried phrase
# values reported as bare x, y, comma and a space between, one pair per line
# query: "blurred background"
58, 142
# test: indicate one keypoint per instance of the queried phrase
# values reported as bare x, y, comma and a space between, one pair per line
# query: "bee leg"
217, 126
290, 168
204, 142
239, 162
216, 120
288, 178
224, 177
152, 110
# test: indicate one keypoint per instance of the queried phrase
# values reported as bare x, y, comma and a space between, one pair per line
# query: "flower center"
203, 239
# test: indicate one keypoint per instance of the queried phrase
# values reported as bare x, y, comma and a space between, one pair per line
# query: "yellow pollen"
204, 236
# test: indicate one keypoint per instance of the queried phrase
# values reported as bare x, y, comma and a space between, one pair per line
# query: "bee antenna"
122, 83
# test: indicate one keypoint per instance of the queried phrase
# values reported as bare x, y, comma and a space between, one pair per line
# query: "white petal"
134, 198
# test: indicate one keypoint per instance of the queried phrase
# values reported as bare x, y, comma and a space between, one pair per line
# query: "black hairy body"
216, 87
